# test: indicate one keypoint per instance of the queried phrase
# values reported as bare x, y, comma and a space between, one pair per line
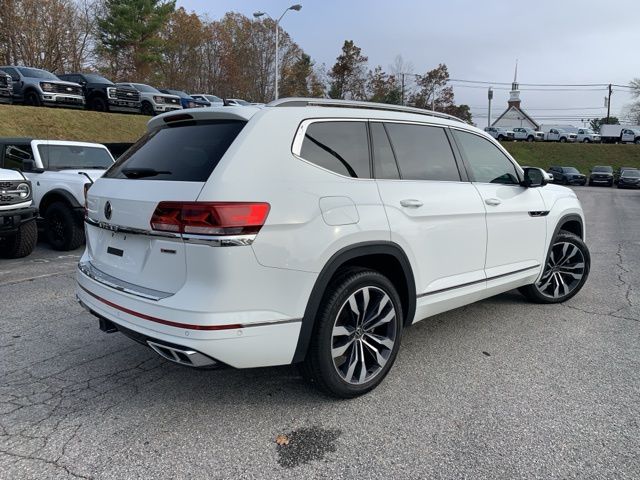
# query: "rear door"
516, 224
434, 213
169, 164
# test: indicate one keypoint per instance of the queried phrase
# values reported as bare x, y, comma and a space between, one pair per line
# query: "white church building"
514, 115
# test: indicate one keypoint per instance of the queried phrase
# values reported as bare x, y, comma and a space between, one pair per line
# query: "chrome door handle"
411, 203
494, 202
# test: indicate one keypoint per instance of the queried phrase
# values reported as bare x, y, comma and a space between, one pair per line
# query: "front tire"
22, 243
530, 138
357, 334
61, 229
565, 272
563, 140
33, 99
99, 104
147, 109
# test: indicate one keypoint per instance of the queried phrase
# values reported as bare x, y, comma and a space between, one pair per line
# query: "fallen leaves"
282, 440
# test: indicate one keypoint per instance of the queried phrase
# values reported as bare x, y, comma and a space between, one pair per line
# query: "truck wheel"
637, 142
563, 140
357, 334
530, 138
586, 140
500, 138
33, 99
147, 109
22, 243
61, 228
98, 104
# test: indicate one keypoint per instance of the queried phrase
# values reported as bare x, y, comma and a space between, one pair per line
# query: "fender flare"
333, 264
59, 192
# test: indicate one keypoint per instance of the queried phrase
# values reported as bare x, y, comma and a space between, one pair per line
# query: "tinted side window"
15, 154
488, 164
423, 152
384, 162
14, 74
186, 153
342, 147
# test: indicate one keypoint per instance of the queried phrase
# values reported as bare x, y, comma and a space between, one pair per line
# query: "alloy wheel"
563, 272
364, 334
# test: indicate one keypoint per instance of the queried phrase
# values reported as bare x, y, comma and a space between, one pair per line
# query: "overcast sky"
555, 41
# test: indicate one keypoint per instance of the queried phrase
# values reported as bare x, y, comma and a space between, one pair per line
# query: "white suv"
316, 231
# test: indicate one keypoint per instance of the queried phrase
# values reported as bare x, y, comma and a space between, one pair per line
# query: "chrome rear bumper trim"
99, 276
187, 357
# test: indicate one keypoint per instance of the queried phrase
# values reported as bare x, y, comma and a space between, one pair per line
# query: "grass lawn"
583, 156
67, 124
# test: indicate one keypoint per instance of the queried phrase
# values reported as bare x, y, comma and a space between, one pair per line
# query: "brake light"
210, 218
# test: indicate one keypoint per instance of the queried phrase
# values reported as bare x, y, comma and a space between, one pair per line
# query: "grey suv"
36, 87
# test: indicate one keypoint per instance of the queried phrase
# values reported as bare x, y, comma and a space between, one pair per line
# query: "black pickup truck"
103, 95
6, 88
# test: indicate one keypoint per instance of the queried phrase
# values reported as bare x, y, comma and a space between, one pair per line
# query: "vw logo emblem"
108, 210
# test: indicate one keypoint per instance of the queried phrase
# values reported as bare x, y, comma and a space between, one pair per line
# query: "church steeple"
514, 95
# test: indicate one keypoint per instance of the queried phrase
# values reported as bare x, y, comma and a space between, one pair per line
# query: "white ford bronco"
18, 230
60, 172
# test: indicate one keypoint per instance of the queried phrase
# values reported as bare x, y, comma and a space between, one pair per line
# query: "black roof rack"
327, 102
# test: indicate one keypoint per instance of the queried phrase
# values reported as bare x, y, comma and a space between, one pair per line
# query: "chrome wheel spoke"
563, 272
363, 335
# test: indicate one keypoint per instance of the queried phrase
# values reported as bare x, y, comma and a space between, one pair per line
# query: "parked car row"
623, 177
37, 87
582, 135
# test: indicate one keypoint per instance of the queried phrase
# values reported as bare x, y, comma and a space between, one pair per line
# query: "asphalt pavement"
499, 389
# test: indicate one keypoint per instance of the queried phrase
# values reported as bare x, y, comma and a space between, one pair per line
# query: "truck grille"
9, 194
68, 89
129, 95
4, 81
174, 101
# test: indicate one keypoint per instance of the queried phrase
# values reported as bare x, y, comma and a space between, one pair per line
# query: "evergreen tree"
348, 75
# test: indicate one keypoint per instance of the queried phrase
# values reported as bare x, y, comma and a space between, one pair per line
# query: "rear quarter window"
182, 153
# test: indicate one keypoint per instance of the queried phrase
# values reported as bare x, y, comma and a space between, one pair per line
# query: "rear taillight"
210, 218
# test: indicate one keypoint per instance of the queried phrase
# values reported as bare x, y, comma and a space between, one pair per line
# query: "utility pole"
490, 97
609, 105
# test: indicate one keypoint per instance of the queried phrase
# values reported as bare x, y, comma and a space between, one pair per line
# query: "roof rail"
327, 102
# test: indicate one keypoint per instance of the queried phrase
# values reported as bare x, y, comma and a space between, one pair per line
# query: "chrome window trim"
105, 279
209, 240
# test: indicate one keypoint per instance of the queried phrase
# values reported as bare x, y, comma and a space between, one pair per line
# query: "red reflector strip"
188, 326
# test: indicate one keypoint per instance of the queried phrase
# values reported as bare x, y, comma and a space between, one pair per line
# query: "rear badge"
107, 210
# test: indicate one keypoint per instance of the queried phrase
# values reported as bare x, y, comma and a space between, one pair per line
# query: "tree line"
152, 41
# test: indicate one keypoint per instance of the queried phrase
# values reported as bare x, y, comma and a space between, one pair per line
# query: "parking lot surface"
499, 389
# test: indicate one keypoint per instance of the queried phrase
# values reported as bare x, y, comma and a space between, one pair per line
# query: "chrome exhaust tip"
187, 357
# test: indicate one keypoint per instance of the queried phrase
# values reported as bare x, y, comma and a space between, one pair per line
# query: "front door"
515, 215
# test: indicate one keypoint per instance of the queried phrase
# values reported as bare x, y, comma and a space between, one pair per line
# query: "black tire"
32, 99
637, 141
530, 138
500, 138
586, 140
22, 243
611, 184
319, 366
535, 293
62, 230
98, 104
563, 140
590, 183
147, 109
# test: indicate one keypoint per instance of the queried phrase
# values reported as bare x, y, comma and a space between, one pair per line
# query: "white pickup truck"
559, 135
60, 172
527, 134
18, 230
620, 133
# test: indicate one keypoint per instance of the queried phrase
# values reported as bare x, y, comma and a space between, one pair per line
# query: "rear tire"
61, 228
355, 340
565, 272
22, 243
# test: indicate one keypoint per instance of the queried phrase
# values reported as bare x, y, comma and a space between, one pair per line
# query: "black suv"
103, 95
601, 175
567, 176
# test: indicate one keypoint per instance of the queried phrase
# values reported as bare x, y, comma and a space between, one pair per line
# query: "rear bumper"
11, 220
242, 338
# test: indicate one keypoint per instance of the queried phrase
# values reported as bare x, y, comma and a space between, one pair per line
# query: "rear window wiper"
143, 172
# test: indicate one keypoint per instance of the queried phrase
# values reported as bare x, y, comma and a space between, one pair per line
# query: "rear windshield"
60, 157
182, 153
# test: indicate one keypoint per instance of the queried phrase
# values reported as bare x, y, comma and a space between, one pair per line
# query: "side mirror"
534, 177
28, 165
